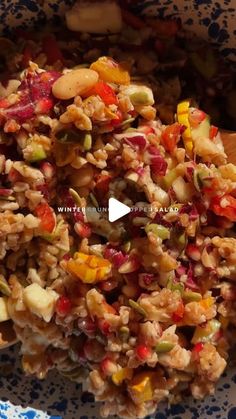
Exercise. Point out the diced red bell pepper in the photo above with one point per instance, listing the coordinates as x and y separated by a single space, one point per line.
117 121
196 116
131 20
47 217
142 352
105 92
196 350
178 315
225 206
171 136
52 50
213 132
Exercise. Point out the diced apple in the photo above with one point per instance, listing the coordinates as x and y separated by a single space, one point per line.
39 301
3 309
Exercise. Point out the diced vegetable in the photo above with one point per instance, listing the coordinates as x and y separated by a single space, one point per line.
183 119
110 71
178 315
171 136
158 230
141 387
203 129
164 346
47 217
97 304
39 301
225 206
196 116
106 93
207 332
207 302
143 352
89 268
121 375
38 153
169 178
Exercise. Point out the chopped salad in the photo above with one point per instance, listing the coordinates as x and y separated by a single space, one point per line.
141 310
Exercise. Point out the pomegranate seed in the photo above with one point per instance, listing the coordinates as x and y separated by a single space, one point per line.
107 366
67 256
131 265
146 278
87 326
142 352
108 285
193 252
43 106
63 306
104 326
47 169
14 176
83 230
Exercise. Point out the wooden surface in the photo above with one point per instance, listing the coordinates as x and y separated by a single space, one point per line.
229 141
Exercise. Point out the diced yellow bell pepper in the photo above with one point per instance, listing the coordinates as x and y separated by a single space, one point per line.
121 375
89 268
110 71
183 118
207 302
141 387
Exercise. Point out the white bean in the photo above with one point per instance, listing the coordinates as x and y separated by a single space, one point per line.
75 82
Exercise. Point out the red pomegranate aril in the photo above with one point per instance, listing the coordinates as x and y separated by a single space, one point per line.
63 306
193 252
82 229
14 176
143 352
108 285
47 169
146 278
87 326
43 106
104 326
107 366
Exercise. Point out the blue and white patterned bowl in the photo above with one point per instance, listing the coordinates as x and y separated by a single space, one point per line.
56 398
